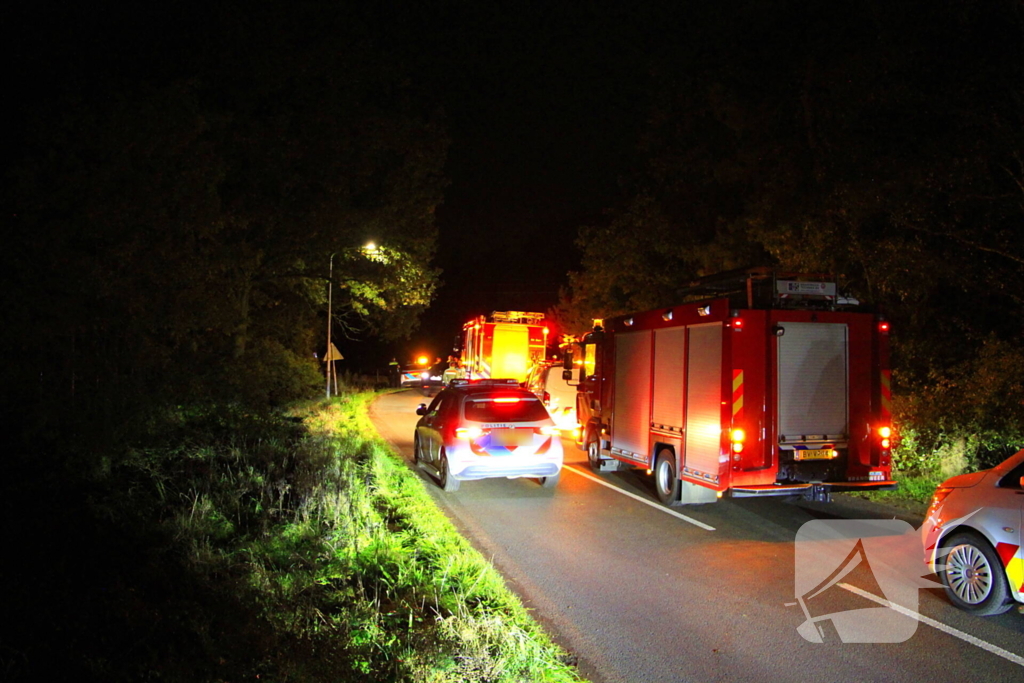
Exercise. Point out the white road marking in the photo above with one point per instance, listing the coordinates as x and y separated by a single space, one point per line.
643 500
966 637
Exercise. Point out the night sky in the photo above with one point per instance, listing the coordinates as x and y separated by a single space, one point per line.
543 110
542 105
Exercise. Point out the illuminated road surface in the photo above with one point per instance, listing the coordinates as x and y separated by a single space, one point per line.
707 594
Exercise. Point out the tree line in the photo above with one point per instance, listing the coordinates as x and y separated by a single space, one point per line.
172 225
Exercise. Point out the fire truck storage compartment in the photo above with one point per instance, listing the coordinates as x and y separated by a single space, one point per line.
812 382
669 350
631 428
704 399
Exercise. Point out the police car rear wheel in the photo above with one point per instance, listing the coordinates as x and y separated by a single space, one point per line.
550 481
447 481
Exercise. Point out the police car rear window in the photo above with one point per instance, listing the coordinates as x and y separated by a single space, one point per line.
505 409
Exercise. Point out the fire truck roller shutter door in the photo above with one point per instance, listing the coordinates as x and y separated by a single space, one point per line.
669 354
631 429
704 399
509 354
812 381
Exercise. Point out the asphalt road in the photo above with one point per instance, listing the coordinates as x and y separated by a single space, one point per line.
641 593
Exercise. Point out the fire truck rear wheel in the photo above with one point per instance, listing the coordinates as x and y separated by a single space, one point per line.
666 479
447 481
593 451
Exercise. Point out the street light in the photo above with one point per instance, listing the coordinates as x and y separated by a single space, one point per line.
368 249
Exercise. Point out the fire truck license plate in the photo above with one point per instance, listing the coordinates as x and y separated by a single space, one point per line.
823 454
512 437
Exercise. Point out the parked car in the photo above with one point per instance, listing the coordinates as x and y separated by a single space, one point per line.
480 429
559 396
415 376
972 537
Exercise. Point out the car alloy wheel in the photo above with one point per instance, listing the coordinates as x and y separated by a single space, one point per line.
973 576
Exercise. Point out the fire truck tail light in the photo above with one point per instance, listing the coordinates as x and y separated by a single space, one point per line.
885 443
737 436
737 324
885 432
883 326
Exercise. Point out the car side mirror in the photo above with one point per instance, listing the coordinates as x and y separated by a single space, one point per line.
421 409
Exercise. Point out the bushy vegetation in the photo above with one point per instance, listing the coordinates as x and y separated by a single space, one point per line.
232 546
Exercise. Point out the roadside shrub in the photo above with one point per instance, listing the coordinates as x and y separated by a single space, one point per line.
969 417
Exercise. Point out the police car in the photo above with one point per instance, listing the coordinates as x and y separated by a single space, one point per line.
480 429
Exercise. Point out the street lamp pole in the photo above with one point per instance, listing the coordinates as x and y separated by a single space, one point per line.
330 288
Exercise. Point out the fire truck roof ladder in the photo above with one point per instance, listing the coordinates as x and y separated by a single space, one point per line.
761 286
517 317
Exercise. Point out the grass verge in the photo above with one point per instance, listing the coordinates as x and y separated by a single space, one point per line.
232 546
421 569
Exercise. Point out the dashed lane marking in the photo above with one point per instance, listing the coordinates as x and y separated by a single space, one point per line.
966 637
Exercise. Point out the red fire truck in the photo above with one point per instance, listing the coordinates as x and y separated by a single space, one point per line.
763 384
503 346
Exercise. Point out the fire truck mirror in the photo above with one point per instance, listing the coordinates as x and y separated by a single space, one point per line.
567 375
567 363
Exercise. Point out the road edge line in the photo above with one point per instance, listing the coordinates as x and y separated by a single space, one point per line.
643 500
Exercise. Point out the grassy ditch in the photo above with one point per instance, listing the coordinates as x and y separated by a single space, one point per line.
419 574
914 492
238 547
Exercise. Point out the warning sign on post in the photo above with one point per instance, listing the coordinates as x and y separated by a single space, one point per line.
333 354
